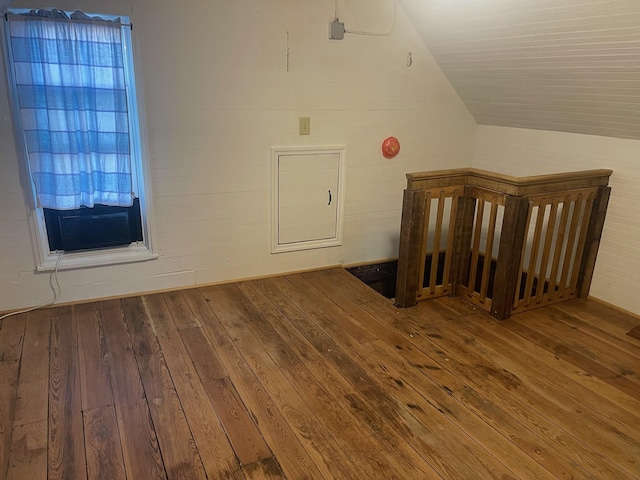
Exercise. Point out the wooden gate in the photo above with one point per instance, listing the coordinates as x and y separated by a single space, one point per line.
506 244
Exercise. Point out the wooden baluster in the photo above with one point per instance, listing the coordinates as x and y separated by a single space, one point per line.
425 241
592 241
557 252
411 241
584 226
546 250
533 257
516 298
571 245
450 241
514 224
475 250
435 256
488 250
464 214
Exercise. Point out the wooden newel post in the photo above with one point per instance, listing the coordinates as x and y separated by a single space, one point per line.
592 241
410 250
462 241
513 236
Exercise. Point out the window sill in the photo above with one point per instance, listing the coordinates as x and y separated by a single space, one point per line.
96 258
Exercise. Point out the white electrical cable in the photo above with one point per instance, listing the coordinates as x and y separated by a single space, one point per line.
56 292
373 34
335 9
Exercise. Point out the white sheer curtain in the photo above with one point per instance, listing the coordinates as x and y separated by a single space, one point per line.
70 79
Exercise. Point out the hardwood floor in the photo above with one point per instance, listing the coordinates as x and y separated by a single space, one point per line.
314 376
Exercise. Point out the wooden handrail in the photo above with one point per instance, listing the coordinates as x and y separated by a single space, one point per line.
507 184
548 228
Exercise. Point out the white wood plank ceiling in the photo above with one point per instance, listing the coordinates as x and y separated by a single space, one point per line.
565 65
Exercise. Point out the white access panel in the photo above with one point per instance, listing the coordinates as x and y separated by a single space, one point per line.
307 191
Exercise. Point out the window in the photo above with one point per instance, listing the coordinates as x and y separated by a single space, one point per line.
75 114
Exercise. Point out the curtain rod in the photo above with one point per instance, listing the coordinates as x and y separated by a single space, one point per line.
130 25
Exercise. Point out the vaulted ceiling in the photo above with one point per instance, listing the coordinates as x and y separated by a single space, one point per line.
565 65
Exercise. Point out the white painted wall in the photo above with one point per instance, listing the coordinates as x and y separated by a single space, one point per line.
218 95
523 152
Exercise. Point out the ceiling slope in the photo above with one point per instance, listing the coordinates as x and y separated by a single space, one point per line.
565 65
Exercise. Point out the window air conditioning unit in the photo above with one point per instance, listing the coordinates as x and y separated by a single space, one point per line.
89 228
94 231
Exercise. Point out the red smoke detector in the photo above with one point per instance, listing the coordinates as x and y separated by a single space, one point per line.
390 147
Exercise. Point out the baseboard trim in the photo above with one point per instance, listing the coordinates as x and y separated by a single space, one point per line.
174 289
611 305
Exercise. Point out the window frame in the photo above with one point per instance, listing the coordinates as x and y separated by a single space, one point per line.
45 259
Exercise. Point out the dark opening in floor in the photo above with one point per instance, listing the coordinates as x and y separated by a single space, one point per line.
380 276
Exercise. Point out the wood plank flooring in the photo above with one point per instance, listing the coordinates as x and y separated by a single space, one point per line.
316 376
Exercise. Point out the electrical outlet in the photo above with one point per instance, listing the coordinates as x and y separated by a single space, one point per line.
305 125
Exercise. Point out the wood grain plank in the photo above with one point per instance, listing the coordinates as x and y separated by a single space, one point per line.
381 360
608 375
267 469
419 369
244 435
326 370
595 423
397 414
634 333
291 456
324 310
140 449
66 454
308 374
11 340
179 453
582 384
604 331
95 384
8 388
612 354
217 455
601 316
502 456
510 408
605 312
11 337
393 454
181 314
28 459
491 410
31 404
331 457
102 444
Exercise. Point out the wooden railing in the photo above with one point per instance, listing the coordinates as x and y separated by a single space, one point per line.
506 244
